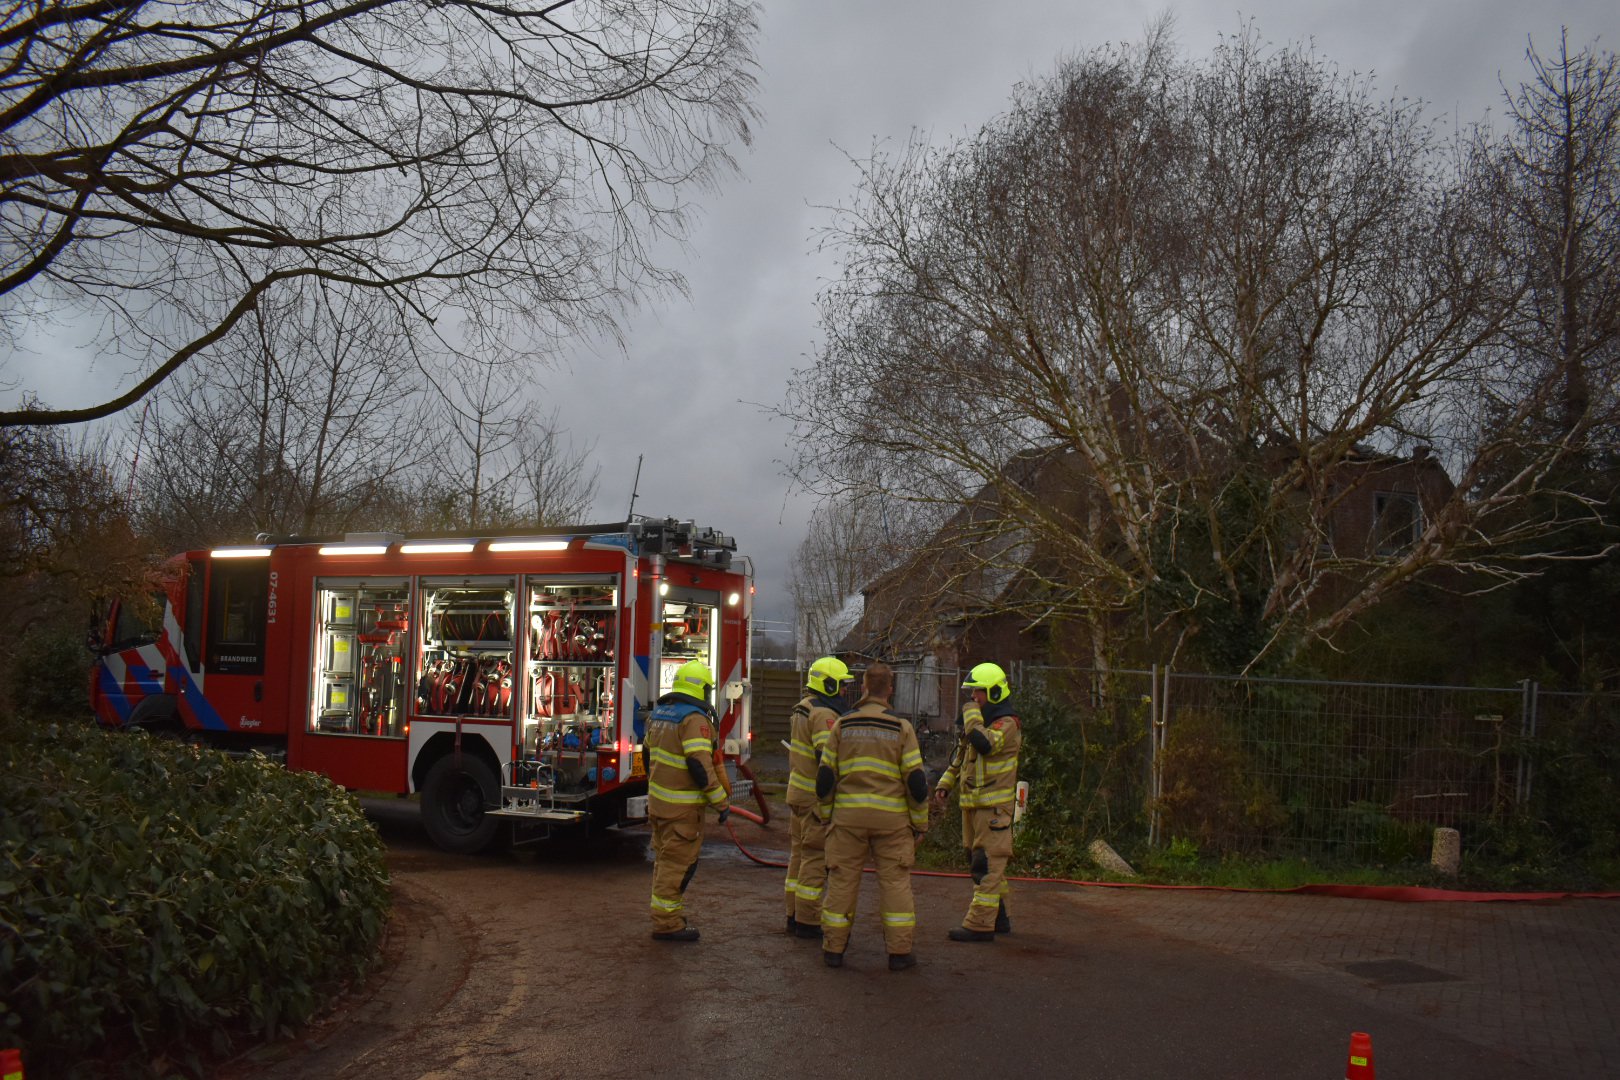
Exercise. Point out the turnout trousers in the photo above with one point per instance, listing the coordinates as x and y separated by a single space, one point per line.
676 842
893 852
990 847
807 865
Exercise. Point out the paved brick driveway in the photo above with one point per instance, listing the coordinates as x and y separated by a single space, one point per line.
538 964
1537 981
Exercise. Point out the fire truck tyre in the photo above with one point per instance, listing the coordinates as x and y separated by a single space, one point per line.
156 715
453 801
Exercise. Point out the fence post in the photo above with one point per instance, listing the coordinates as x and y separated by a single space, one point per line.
1533 693
1153 757
1524 743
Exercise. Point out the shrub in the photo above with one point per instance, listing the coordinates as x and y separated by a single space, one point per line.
48 672
155 896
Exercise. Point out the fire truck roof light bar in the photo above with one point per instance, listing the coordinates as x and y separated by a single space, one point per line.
528 545
241 553
438 548
354 549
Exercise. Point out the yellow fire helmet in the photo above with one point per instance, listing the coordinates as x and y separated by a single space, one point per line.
991 679
693 678
826 674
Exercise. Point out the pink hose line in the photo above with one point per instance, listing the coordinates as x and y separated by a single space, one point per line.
1401 893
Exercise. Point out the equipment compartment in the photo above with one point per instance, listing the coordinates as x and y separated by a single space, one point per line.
359 686
467 649
571 704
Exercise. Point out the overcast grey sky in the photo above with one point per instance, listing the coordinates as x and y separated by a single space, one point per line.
841 74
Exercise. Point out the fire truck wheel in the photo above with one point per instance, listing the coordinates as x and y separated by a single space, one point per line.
453 801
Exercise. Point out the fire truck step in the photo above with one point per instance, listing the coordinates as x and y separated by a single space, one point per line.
539 814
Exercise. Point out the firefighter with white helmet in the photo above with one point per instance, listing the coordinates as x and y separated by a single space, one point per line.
812 722
874 795
683 778
986 779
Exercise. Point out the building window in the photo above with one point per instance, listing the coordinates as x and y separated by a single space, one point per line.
1397 521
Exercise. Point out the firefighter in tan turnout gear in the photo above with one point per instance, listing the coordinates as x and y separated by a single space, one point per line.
683 777
812 723
985 775
874 797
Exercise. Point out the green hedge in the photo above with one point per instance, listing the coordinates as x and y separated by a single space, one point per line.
156 897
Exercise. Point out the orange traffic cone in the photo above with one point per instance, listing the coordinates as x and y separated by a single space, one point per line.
11 1065
1361 1062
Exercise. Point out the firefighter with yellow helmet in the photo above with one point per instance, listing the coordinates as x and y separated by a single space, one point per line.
683 778
985 776
874 795
812 723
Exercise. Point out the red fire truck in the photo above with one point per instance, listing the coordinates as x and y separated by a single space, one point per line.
502 677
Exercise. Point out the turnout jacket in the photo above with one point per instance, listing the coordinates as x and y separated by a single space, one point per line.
986 761
813 720
871 773
682 774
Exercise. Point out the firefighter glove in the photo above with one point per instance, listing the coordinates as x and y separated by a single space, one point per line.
917 784
826 780
725 812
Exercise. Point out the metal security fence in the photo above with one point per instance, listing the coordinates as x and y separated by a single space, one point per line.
1362 771
924 693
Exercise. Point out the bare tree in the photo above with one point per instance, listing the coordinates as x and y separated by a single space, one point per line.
1560 181
851 540
1150 329
480 418
555 482
497 462
165 169
309 420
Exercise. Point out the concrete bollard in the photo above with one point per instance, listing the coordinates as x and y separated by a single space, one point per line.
1447 854
1107 858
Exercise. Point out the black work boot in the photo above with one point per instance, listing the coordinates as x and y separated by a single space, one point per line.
901 960
962 933
832 959
792 925
806 930
685 933
1003 923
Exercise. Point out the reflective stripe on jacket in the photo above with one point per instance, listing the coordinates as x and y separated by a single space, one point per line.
987 779
812 724
871 752
679 729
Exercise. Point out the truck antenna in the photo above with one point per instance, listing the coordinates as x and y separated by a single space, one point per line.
630 513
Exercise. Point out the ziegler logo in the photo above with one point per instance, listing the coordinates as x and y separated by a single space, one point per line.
247 721
270 610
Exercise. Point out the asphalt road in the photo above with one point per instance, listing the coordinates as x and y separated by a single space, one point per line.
537 963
